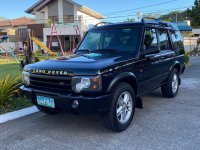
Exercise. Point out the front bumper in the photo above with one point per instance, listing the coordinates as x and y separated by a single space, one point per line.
64 102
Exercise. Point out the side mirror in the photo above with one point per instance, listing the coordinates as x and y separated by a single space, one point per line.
151 50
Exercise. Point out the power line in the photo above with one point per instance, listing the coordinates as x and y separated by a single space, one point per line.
126 15
121 16
114 16
171 1
148 12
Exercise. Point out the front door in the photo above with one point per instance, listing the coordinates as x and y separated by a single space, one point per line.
150 67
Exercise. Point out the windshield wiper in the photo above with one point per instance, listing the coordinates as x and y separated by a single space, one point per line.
105 51
83 51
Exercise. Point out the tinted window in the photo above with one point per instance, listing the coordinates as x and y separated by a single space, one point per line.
150 39
119 39
164 39
177 42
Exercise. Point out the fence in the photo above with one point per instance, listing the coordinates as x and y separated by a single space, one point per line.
190 43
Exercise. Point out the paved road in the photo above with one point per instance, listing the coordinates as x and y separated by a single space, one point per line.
162 124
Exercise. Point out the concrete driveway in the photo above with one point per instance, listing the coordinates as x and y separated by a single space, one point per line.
162 124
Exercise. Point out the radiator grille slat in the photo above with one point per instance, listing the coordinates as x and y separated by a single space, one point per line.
51 83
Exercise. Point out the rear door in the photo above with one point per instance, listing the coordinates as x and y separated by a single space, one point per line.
165 56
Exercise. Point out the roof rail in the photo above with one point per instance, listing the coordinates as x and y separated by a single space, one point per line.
150 18
102 24
158 21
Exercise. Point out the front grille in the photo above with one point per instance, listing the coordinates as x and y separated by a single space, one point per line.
51 83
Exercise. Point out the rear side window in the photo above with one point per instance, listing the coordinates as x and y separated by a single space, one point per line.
177 42
150 39
164 39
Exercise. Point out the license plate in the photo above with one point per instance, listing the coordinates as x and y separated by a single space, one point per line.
46 101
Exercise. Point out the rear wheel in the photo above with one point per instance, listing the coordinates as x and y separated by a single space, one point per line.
47 111
170 89
122 108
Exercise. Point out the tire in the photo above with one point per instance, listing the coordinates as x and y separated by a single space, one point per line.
47 111
126 109
170 89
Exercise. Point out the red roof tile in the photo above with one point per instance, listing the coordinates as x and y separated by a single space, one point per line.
23 21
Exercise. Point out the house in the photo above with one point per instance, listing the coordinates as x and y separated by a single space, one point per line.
10 27
196 32
184 28
16 31
67 15
190 42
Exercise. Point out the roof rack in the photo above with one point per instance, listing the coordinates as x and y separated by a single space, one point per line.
158 21
150 18
102 24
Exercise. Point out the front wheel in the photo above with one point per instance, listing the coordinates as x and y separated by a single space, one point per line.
170 89
122 108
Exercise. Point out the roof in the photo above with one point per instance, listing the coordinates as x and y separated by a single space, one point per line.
23 21
183 26
43 3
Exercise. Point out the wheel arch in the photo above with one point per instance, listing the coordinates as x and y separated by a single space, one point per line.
127 77
177 66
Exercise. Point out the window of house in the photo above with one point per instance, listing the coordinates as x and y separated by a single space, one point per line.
68 18
53 18
150 39
80 18
164 39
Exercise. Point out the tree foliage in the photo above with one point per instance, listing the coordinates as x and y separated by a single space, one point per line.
130 20
174 16
194 14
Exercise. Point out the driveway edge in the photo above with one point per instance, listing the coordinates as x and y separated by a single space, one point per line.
17 114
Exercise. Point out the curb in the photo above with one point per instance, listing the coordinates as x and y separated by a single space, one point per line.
17 114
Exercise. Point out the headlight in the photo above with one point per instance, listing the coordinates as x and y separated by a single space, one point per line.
91 84
26 78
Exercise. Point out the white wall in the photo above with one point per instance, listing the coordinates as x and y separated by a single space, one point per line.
60 8
53 8
190 43
68 8
196 31
62 30
88 21
40 17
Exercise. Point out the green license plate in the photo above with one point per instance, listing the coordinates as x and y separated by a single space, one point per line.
46 101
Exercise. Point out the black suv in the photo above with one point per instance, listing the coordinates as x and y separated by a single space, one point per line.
111 68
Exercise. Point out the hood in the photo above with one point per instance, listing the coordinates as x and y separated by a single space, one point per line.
88 64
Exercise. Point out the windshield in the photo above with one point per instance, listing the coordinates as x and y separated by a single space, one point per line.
120 40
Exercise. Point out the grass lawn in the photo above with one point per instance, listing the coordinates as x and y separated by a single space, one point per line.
15 104
12 69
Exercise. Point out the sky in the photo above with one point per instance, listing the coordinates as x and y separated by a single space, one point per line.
114 10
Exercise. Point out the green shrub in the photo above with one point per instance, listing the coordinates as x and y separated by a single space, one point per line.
9 88
37 53
187 57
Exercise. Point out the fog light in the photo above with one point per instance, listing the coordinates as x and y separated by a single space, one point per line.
75 104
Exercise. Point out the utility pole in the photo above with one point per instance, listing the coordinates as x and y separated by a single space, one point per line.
176 17
139 15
